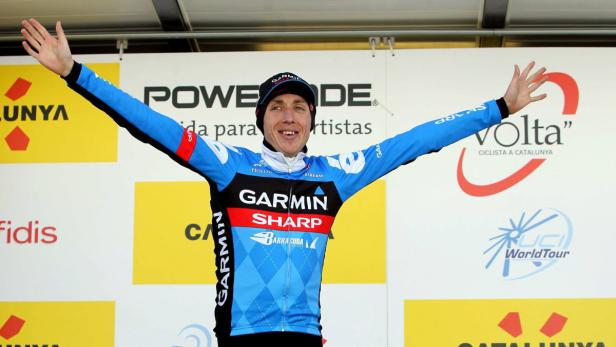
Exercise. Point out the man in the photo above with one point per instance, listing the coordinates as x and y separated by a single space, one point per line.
272 211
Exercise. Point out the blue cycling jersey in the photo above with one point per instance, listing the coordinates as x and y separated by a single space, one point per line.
271 214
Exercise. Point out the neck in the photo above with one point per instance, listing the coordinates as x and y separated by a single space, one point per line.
271 148
280 162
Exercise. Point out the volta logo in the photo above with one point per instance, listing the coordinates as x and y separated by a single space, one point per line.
194 335
506 135
531 244
11 327
42 120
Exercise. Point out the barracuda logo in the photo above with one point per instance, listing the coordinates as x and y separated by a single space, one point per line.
268 238
532 244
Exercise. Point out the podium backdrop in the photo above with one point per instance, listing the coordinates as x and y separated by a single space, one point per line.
501 239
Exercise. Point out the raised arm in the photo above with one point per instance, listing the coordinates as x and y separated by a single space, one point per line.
356 170
53 53
211 159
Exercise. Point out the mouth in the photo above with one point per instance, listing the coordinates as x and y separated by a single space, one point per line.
288 133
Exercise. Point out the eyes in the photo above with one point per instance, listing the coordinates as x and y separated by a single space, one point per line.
296 107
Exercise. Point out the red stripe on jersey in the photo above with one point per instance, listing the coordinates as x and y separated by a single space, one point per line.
187 145
247 217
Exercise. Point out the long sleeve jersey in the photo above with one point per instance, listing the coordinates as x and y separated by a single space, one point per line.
271 216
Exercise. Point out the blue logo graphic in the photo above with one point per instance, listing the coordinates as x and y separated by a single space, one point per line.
319 191
532 244
194 335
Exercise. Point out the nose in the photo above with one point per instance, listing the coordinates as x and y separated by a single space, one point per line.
287 115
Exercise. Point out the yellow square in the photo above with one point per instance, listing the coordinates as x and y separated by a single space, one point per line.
474 323
48 122
173 243
65 324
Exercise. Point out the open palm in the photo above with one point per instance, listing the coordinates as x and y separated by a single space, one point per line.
519 91
53 53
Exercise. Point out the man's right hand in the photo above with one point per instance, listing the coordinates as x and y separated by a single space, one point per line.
53 53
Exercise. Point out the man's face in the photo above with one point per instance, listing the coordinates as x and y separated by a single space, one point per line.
286 123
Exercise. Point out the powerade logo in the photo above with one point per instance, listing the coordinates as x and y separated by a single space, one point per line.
533 138
530 243
194 335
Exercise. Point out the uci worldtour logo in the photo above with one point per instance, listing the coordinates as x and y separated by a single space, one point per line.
533 138
530 244
194 335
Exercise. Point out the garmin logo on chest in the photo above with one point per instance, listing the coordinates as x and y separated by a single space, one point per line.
284 201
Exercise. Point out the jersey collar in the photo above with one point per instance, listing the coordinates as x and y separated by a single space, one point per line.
279 162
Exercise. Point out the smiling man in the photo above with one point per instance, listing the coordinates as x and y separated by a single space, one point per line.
273 210
289 103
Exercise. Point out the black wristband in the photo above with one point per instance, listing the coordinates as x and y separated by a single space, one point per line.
72 76
502 107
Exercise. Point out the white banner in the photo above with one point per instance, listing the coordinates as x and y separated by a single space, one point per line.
517 211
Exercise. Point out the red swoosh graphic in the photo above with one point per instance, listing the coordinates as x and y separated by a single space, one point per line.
571 99
569 88
496 187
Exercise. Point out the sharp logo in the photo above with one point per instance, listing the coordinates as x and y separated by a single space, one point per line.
531 244
268 238
511 138
555 323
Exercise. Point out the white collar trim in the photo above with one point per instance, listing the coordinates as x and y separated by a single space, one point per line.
279 162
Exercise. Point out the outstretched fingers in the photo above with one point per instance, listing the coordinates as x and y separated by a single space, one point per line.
35 44
40 28
537 82
60 32
29 49
538 97
535 76
527 69
31 30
